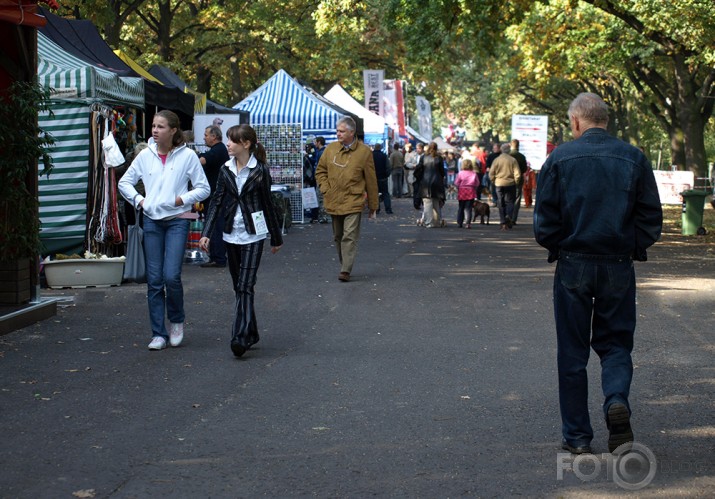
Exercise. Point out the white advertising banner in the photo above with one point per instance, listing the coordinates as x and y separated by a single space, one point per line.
223 121
671 184
394 110
424 117
372 79
531 132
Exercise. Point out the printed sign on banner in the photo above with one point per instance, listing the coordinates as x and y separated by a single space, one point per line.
531 132
424 117
372 79
223 121
671 184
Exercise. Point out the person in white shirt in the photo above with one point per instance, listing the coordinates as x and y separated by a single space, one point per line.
166 168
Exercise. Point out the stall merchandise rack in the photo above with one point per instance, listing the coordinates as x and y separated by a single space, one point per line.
284 149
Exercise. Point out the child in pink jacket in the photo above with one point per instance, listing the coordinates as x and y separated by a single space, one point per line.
467 183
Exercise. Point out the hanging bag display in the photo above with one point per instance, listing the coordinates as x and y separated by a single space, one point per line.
112 154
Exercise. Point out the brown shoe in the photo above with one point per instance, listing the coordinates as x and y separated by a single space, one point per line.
344 276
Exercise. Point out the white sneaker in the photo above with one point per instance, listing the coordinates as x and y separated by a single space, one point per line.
157 343
176 333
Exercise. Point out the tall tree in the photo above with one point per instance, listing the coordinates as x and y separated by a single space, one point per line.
680 77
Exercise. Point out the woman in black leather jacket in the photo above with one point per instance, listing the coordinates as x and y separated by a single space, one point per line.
243 198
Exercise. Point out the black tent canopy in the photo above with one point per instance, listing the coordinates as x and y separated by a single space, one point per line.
168 77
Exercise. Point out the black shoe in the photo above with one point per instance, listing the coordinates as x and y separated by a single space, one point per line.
389 212
237 348
213 265
619 426
579 449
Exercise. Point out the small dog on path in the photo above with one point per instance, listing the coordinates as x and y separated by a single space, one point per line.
480 210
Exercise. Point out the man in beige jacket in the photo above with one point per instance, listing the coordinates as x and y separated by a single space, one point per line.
505 175
345 172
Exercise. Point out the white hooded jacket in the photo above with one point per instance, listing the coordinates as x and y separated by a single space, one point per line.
164 182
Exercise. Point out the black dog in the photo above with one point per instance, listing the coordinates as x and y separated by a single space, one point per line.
480 210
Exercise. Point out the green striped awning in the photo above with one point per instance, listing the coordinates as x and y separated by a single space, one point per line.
63 195
72 78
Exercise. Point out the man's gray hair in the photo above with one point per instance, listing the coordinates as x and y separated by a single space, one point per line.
215 132
506 148
348 122
590 108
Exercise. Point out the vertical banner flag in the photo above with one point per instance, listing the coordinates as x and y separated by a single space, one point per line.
372 79
399 91
424 117
394 110
531 132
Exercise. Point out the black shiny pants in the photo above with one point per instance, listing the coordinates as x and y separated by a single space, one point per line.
243 262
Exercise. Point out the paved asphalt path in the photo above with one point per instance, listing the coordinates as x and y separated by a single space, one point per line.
431 374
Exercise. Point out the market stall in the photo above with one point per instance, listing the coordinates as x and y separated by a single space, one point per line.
84 99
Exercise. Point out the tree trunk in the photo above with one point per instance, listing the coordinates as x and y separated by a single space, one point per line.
236 85
163 33
203 80
690 117
677 148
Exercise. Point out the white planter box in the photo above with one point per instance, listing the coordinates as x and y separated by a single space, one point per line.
81 273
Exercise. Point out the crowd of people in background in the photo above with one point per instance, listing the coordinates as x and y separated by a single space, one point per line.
502 178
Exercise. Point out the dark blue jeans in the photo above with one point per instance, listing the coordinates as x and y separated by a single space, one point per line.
505 202
382 187
595 307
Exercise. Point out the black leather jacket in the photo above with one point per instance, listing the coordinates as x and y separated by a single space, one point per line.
255 196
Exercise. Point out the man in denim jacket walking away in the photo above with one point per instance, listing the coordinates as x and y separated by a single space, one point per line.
597 210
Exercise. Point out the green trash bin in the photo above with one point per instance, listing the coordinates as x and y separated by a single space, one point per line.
693 206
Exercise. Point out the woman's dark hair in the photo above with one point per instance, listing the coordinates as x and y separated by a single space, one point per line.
432 149
173 121
238 133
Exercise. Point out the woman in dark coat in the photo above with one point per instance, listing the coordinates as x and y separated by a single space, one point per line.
243 198
430 174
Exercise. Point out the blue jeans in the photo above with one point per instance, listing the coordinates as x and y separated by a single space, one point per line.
164 245
382 187
595 307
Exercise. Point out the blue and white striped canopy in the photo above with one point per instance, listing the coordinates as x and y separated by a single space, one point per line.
282 100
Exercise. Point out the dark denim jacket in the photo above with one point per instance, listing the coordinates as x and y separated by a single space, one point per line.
255 196
597 195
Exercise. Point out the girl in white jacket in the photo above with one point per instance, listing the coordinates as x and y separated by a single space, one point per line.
165 168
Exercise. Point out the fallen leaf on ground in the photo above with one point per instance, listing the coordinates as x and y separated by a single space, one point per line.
84 493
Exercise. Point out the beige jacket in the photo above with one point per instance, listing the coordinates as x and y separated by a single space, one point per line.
505 171
344 176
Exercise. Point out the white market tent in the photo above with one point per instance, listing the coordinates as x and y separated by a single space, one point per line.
76 87
374 125
443 145
416 135
282 100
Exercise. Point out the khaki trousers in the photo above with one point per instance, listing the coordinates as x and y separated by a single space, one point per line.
346 232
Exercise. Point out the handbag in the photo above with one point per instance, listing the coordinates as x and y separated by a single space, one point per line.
135 264
112 154
310 198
